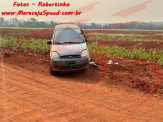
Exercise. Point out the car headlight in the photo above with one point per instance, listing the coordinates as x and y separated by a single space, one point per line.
55 55
85 53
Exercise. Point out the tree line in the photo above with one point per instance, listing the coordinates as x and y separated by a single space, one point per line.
34 23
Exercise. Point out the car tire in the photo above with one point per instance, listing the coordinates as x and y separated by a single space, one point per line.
51 71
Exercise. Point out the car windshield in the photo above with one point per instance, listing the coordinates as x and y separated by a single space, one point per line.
68 35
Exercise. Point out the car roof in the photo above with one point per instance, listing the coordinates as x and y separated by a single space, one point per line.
66 26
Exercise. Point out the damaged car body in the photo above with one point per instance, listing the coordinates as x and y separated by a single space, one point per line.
69 50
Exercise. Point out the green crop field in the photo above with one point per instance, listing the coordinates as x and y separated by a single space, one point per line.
142 44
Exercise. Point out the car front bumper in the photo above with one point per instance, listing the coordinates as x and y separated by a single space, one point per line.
60 65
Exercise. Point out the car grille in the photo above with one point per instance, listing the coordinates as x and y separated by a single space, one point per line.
73 67
70 56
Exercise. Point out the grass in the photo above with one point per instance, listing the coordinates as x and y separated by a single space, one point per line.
151 55
6 42
36 45
120 37
158 34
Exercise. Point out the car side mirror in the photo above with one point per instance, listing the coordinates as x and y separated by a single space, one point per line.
49 42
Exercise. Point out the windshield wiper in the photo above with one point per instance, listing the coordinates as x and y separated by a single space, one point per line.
58 43
68 42
73 42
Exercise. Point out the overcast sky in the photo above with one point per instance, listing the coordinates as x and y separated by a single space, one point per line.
103 12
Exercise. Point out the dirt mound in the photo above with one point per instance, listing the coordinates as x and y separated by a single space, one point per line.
35 63
138 74
131 73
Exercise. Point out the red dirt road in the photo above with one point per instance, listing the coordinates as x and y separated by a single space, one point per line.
28 96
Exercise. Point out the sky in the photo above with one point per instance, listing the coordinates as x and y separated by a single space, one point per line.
104 11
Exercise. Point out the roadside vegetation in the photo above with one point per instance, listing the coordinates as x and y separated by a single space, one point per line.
34 45
151 55
121 37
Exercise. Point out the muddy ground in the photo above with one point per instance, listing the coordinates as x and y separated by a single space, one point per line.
136 74
128 91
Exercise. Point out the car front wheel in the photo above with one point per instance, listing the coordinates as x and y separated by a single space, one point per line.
51 70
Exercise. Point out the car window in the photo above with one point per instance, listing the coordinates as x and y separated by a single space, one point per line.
68 35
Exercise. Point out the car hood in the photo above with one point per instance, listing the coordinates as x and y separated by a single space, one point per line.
69 49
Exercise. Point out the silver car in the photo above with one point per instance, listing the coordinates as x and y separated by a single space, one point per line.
69 50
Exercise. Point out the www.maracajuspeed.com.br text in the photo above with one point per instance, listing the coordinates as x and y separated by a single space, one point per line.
45 13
